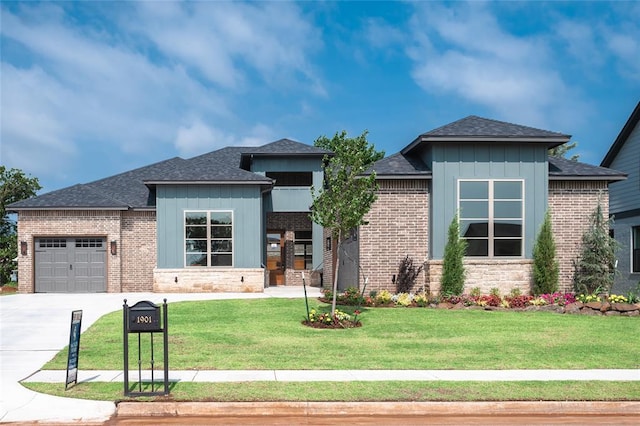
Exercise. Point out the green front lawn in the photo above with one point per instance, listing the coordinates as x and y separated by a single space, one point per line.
268 334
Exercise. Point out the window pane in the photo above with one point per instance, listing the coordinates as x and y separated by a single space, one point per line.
475 209
477 247
221 231
472 228
507 228
221 218
196 232
636 237
196 246
221 260
221 246
291 178
635 232
508 209
474 190
507 190
195 218
507 247
197 259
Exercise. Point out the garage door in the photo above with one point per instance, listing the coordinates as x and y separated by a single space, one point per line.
70 265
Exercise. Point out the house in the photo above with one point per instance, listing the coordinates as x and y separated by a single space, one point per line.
237 219
624 203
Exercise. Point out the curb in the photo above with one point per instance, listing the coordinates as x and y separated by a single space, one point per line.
492 408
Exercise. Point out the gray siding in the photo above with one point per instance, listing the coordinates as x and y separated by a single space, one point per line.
289 199
624 279
482 161
243 200
625 195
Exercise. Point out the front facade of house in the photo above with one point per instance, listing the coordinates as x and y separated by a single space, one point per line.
624 201
237 219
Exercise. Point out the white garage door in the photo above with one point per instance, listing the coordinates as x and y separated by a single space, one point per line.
70 265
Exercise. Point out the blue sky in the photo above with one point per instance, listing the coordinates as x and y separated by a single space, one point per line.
92 89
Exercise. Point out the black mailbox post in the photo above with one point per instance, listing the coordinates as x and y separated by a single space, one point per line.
145 318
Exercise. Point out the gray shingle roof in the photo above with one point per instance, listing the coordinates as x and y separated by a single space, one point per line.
478 129
564 169
134 189
399 165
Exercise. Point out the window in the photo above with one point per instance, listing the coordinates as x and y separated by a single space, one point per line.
291 178
208 238
303 250
635 249
491 217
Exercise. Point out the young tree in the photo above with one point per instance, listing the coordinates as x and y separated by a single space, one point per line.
453 273
545 265
595 267
347 194
14 186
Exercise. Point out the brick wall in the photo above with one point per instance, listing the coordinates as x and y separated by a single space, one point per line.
138 250
398 226
571 203
67 223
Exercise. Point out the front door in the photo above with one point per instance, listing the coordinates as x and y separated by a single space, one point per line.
275 257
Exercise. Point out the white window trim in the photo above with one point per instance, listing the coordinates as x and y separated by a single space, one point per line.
184 237
491 219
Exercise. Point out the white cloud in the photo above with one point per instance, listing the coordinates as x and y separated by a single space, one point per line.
131 81
464 51
198 137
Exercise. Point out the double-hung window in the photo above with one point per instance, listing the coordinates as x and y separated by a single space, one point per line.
491 214
303 250
635 249
208 238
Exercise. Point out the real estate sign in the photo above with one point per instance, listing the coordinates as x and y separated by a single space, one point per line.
74 349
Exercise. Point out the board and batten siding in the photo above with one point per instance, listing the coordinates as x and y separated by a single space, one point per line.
625 195
243 200
451 162
289 199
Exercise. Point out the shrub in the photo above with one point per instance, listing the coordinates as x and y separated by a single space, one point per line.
595 266
519 301
407 275
402 299
383 298
545 265
339 319
475 292
421 299
495 291
453 274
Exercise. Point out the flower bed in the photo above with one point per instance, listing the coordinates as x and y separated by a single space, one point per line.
557 302
339 319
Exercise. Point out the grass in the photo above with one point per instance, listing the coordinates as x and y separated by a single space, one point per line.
268 334
365 391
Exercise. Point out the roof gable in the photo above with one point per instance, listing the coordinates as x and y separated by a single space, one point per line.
615 148
478 129
286 147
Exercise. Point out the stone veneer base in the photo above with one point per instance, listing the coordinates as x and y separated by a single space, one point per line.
209 280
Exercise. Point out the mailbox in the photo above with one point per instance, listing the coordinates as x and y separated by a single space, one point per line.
144 316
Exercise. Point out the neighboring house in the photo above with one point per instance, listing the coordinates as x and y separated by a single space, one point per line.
237 219
624 202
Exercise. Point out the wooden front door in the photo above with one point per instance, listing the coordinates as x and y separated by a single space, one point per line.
275 257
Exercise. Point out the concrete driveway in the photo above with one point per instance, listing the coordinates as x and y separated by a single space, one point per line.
34 327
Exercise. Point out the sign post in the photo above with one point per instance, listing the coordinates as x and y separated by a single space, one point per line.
74 349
